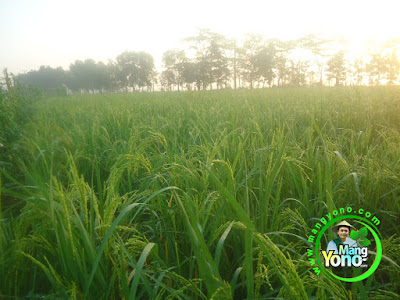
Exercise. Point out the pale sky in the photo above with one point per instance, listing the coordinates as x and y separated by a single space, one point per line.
56 33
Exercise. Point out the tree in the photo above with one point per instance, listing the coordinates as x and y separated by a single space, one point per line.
113 70
358 70
316 45
45 78
212 63
376 68
146 70
174 62
297 73
232 51
392 67
190 75
336 68
81 75
89 75
134 69
219 64
167 79
248 60
283 48
263 64
103 78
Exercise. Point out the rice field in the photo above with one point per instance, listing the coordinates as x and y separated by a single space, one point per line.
197 195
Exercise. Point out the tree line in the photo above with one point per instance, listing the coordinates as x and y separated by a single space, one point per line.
210 60
130 71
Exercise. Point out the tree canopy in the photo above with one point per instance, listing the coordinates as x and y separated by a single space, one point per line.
210 60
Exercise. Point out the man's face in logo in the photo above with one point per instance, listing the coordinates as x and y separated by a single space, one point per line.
343 232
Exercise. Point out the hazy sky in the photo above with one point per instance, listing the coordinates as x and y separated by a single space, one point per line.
56 33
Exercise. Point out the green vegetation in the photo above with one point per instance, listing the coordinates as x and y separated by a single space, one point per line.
210 61
16 107
196 195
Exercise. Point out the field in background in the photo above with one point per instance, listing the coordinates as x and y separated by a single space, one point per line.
197 195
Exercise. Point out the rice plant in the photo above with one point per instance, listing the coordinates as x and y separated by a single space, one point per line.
196 195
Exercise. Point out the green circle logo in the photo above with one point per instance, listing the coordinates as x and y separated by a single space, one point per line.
375 233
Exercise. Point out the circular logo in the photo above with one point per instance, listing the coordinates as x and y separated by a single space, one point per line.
375 233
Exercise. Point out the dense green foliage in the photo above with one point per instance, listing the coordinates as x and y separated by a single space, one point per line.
197 195
16 107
